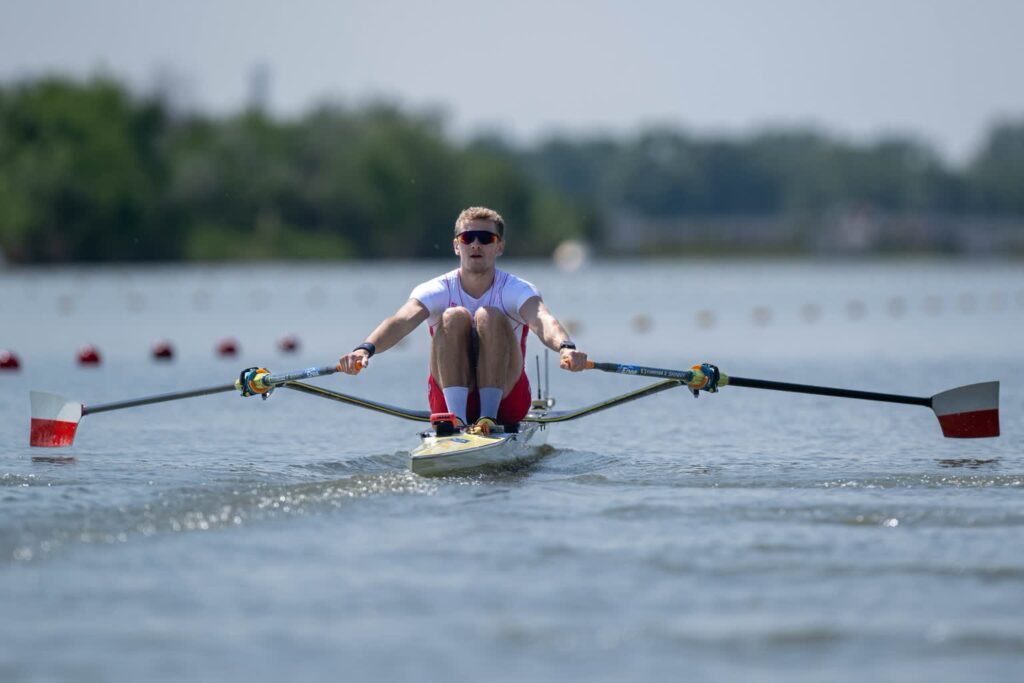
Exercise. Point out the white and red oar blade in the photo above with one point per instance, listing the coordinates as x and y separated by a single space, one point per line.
970 412
54 420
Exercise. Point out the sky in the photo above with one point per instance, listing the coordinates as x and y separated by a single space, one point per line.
943 71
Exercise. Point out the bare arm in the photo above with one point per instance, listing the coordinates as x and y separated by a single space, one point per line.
391 331
545 325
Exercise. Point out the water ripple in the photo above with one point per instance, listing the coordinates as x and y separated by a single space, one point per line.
200 509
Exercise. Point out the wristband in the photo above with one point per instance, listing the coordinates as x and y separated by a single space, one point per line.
368 347
567 345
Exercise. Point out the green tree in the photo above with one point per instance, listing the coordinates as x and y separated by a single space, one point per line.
997 173
80 174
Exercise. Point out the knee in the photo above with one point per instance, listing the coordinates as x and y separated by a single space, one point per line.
456 320
490 318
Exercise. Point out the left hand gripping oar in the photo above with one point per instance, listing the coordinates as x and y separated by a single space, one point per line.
967 412
55 418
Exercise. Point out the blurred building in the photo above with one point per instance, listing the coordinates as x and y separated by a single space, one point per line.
849 230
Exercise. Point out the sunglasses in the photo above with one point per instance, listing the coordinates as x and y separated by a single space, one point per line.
483 236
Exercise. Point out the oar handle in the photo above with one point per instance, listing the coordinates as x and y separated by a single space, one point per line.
642 371
276 379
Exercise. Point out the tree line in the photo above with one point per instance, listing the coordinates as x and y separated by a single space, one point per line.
91 172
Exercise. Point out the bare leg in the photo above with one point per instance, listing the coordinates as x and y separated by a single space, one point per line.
449 351
500 363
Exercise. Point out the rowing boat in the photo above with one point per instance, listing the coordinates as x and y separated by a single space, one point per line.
970 411
463 453
459 453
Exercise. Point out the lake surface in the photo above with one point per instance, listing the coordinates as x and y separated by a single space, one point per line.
748 535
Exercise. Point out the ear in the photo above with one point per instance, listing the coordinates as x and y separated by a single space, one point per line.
501 246
455 246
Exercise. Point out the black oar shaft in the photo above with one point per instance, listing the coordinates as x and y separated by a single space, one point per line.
160 398
828 391
267 381
686 376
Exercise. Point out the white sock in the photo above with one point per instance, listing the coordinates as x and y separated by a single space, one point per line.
455 398
490 399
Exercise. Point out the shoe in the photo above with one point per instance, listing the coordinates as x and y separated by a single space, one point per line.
446 424
484 426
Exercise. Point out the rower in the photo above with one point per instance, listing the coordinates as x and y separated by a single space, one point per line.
478 317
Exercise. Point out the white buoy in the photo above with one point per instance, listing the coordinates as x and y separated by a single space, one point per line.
571 255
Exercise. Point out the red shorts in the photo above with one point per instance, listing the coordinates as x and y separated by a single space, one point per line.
512 409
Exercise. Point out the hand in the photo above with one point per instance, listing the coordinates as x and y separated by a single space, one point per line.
351 363
572 360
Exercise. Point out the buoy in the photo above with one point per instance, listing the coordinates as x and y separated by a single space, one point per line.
856 309
65 304
8 361
966 303
897 307
933 304
811 313
163 350
227 347
705 319
88 355
571 255
288 343
642 323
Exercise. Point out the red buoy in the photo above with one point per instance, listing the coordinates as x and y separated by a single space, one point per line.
8 361
227 347
288 344
163 350
88 355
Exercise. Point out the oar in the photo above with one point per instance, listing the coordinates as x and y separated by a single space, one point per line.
566 415
55 418
395 411
966 412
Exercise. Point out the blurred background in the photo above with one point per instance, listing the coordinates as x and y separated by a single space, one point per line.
357 130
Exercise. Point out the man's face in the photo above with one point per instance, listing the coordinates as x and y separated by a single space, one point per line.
477 257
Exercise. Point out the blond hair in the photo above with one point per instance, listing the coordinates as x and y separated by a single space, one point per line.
481 213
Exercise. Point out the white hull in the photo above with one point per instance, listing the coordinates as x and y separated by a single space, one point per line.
470 453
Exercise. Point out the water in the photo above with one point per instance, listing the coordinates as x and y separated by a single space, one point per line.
747 535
